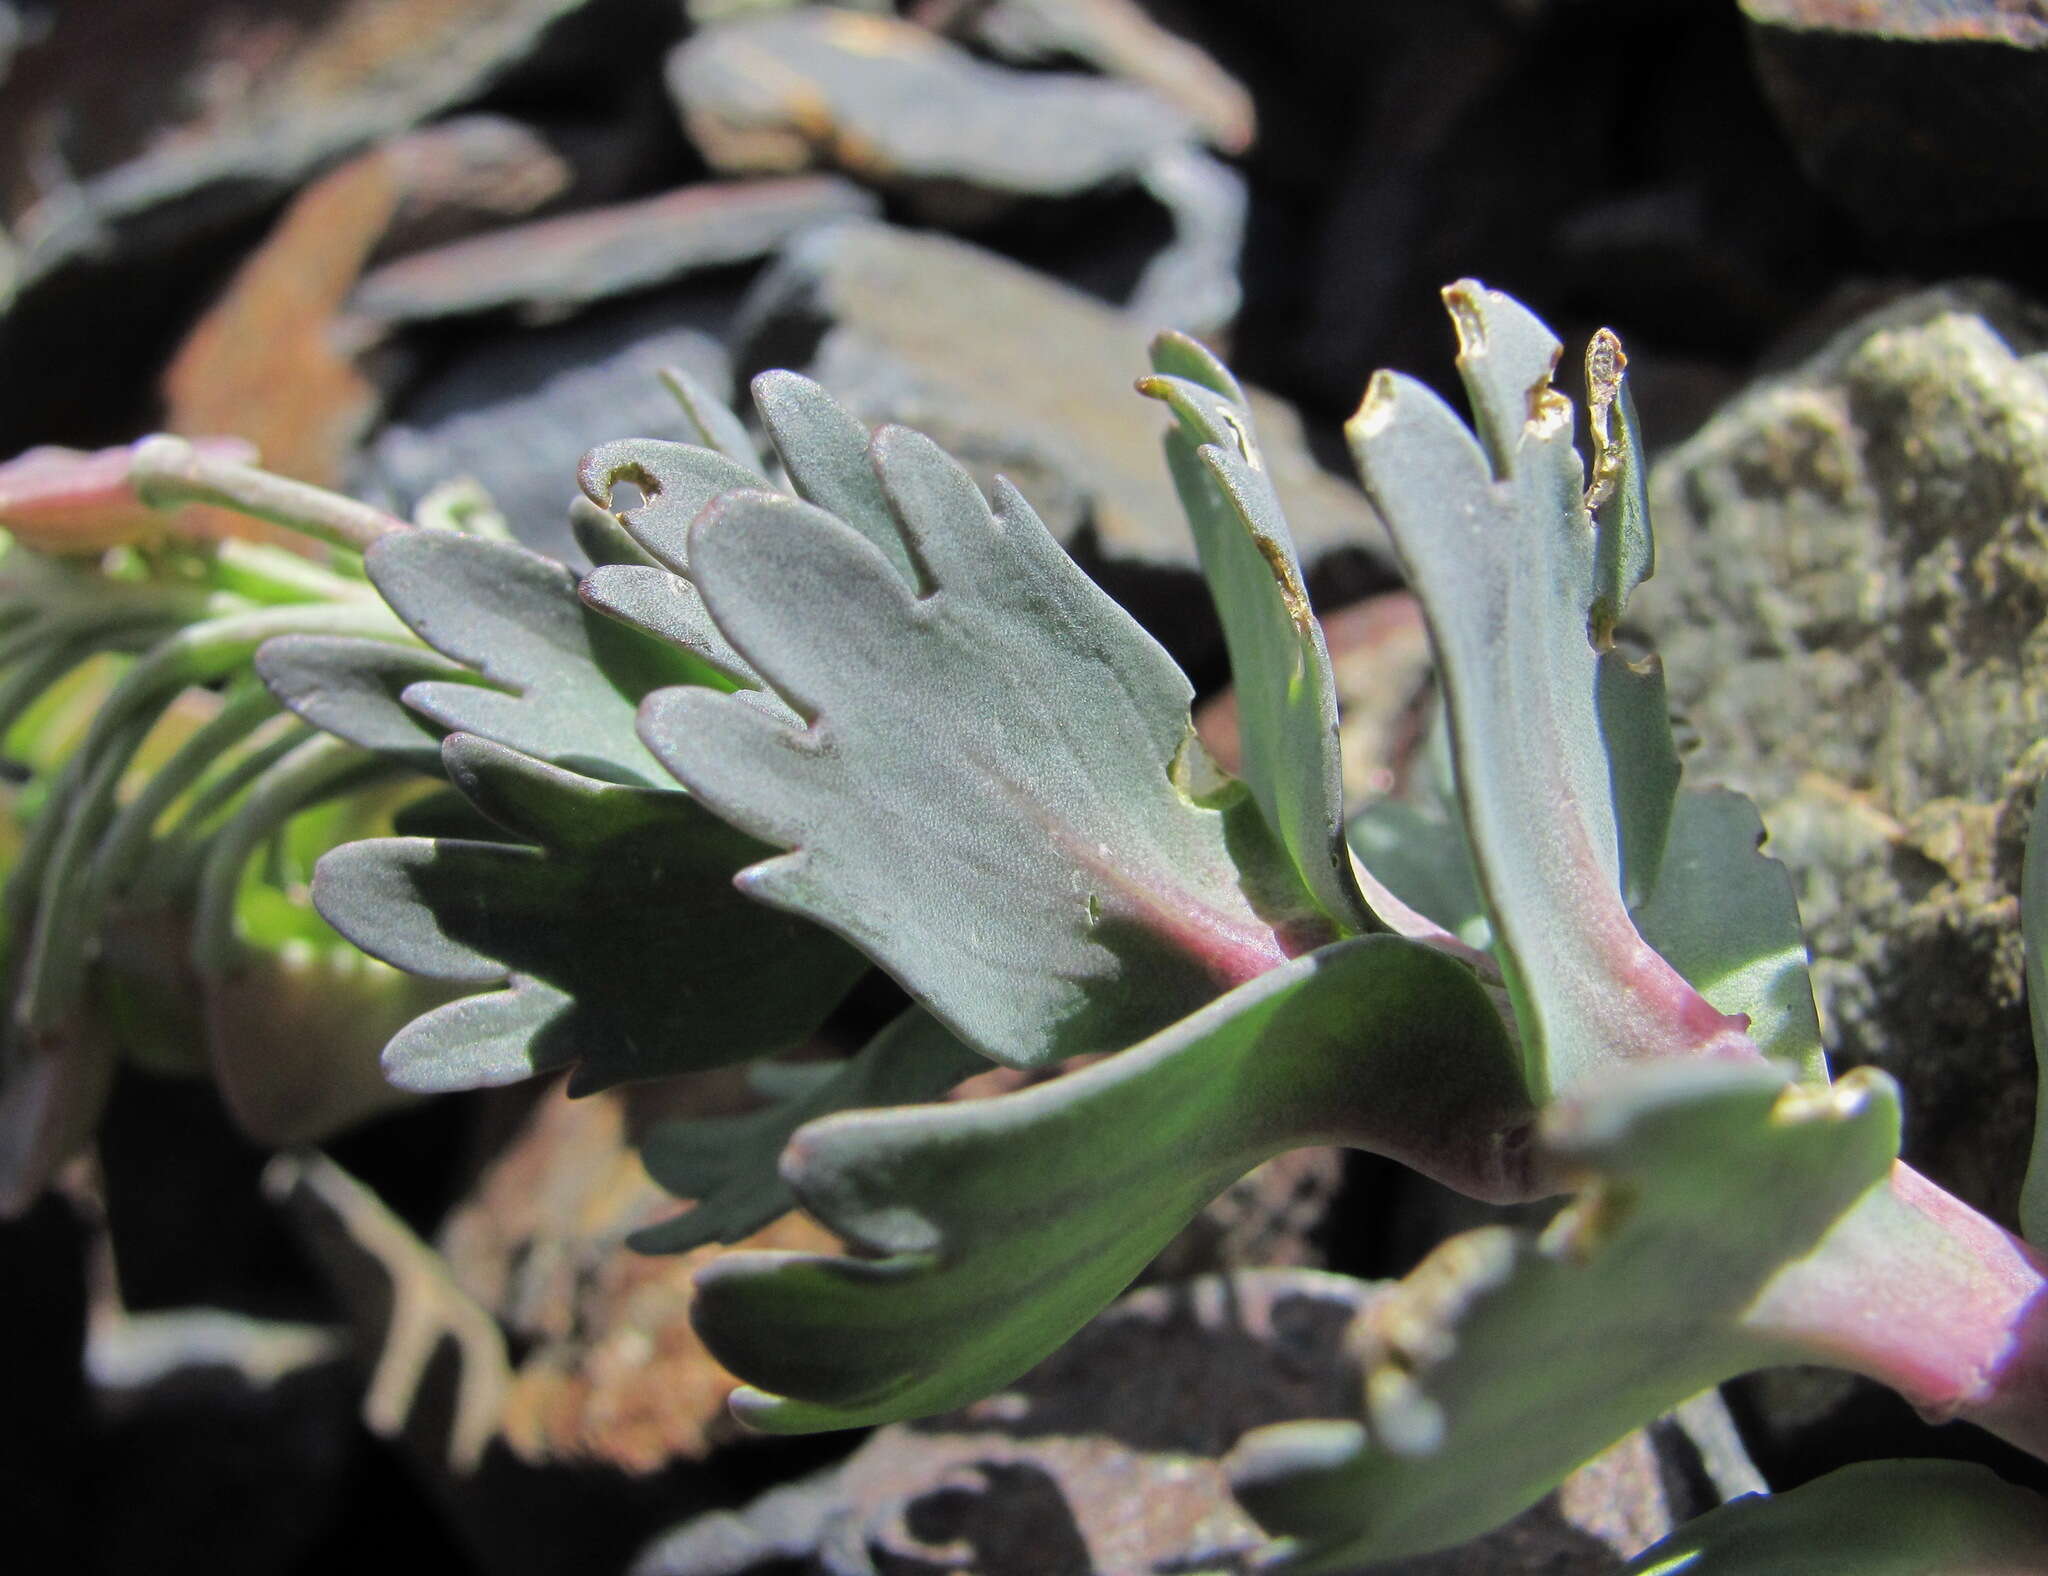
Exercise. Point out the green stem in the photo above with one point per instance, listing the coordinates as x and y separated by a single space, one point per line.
174 863
64 922
273 576
126 843
320 768
169 472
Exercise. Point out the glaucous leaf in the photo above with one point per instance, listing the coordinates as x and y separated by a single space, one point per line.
1725 915
1507 1358
717 427
563 679
1547 730
994 791
1279 662
351 688
616 924
729 1164
1876 1518
675 481
1000 1226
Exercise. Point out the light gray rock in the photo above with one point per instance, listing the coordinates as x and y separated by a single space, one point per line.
1105 1460
517 413
553 267
961 139
1852 601
1017 374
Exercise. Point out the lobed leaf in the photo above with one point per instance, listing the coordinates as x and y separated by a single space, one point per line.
728 1164
563 679
1725 915
353 688
1506 1359
717 427
1279 662
1003 1225
661 966
1015 820
1547 730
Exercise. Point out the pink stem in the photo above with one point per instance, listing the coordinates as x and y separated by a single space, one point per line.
1917 1290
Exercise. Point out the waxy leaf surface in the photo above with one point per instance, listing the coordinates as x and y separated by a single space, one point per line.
729 1164
993 791
1506 1359
352 688
563 679
616 924
1876 1518
1279 663
1005 1224
2034 926
1547 732
1725 915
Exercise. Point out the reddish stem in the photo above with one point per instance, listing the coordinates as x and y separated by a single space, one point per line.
1919 1291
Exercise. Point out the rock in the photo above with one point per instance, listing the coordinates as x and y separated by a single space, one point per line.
516 412
204 1419
614 1377
438 1370
277 359
890 104
130 192
1912 113
265 362
1116 37
471 173
1105 1459
962 139
237 106
552 267
1016 374
1852 601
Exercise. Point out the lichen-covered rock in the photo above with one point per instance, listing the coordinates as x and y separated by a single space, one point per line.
1852 601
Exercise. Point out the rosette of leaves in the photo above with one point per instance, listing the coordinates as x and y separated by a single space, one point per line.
162 810
584 898
904 724
979 771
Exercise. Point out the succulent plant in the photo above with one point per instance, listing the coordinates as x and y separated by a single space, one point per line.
163 810
845 709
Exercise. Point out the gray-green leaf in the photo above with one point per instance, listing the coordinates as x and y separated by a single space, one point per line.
1724 914
1876 1518
1279 663
1007 1223
617 923
1498 544
995 793
728 1164
1506 1359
